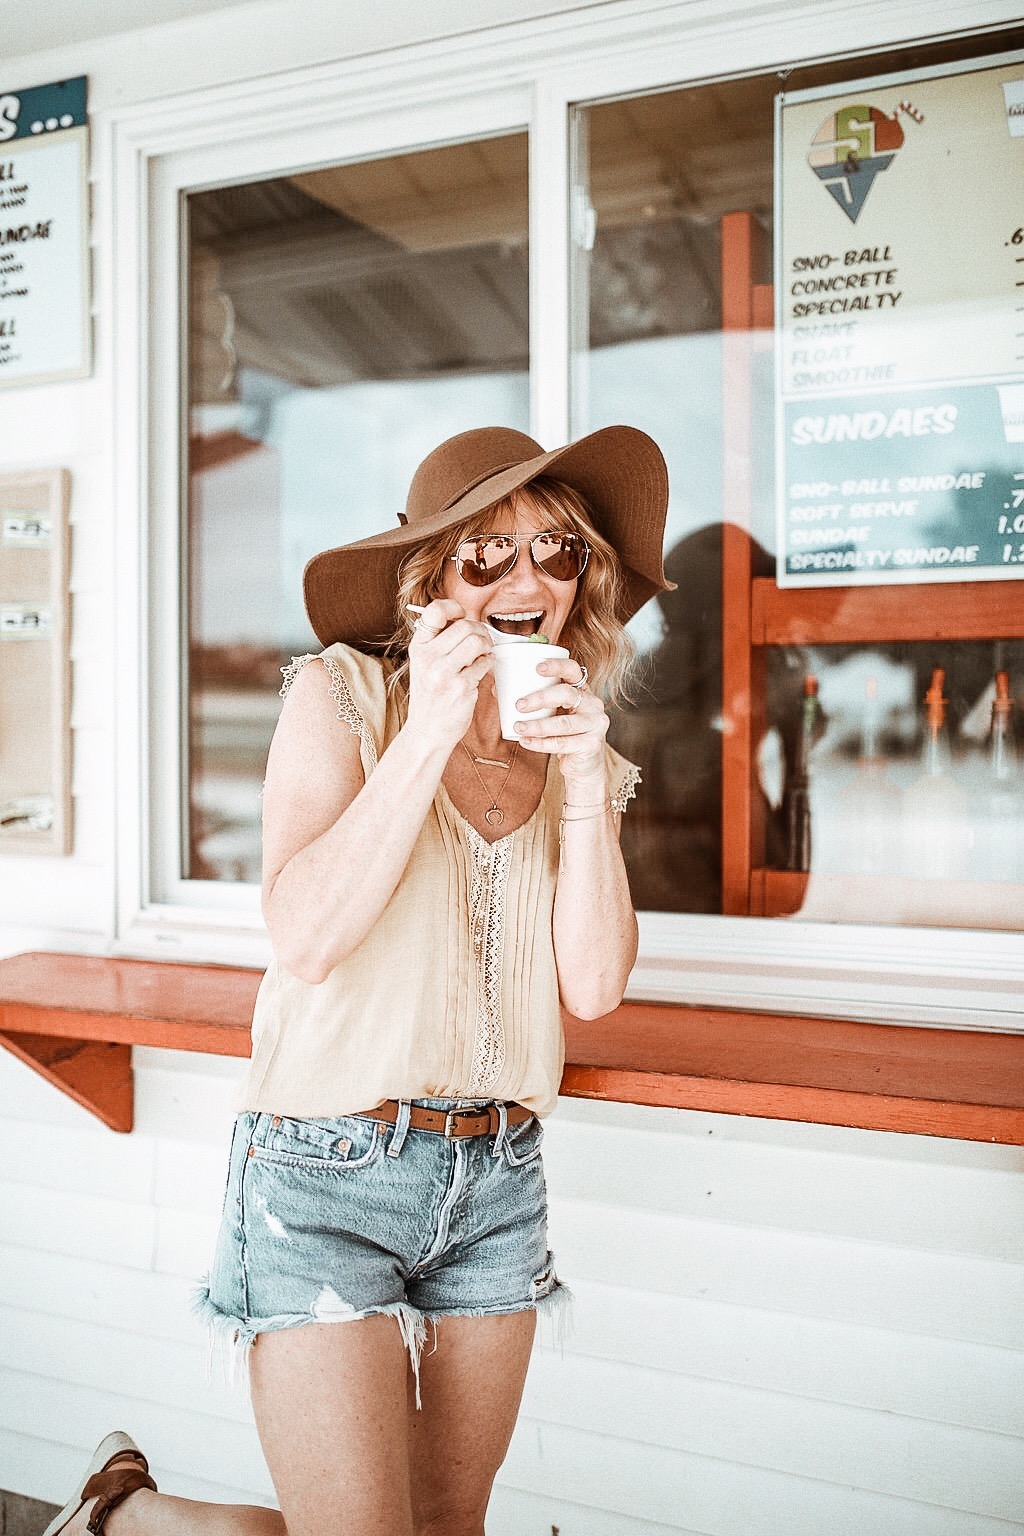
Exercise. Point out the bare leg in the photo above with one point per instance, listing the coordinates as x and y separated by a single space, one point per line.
330 1402
330 1405
335 1408
160 1514
472 1385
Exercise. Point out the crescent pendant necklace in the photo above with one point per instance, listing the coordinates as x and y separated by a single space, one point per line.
494 815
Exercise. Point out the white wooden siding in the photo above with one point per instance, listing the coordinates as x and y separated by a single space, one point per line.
777 1328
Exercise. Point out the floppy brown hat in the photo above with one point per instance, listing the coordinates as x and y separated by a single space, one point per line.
350 591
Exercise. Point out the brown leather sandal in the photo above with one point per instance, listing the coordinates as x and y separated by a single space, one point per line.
117 1469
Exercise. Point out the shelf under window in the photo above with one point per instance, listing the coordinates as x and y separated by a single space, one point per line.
74 1019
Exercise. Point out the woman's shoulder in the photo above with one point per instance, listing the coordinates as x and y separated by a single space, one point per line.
358 667
357 686
355 666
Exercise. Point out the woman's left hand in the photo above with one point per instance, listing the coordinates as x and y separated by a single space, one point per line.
576 733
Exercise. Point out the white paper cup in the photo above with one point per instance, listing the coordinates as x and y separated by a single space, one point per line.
516 675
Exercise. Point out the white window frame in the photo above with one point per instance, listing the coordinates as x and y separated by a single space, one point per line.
525 75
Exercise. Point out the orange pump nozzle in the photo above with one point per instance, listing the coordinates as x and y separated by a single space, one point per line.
1002 704
936 704
810 686
938 683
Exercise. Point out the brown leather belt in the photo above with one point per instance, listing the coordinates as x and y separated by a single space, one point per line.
456 1124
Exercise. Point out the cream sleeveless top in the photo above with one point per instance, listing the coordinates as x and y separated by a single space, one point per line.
453 992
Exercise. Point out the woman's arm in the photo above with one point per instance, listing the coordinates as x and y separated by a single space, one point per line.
335 846
594 925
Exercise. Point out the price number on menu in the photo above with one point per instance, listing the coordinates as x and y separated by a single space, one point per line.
1011 519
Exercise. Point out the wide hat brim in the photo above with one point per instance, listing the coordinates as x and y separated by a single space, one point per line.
351 591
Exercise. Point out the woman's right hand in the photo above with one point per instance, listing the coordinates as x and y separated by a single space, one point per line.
449 655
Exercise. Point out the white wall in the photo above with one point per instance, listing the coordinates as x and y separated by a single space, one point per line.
783 1329
240 41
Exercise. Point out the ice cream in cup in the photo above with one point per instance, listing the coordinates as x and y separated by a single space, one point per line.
516 658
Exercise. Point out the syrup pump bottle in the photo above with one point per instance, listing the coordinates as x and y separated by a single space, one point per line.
1000 833
871 804
938 831
798 794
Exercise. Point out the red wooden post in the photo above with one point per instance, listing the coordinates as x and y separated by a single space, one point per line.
742 666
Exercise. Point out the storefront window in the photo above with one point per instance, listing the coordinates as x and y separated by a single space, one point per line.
341 323
808 287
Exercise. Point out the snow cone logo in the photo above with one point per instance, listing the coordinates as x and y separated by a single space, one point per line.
852 146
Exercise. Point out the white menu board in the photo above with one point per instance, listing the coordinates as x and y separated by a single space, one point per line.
45 330
899 280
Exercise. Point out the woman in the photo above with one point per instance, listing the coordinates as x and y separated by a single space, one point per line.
434 895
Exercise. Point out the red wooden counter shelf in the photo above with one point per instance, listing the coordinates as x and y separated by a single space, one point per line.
75 1018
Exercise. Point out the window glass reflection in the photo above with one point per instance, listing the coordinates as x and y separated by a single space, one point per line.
341 323
898 766
785 771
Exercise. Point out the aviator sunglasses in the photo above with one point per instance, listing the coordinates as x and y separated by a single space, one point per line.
483 560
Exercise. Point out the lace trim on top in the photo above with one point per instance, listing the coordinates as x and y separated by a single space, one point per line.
292 670
626 790
348 710
491 864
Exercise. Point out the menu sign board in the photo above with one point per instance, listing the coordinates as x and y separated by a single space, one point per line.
44 239
899 282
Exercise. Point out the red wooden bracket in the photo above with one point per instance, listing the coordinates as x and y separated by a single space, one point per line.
95 1073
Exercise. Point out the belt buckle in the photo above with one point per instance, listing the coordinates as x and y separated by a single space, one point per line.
458 1114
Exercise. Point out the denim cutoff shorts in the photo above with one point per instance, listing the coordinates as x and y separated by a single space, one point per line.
331 1220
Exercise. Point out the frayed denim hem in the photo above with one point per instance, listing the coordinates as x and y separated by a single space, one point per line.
230 1339
555 1311
553 1308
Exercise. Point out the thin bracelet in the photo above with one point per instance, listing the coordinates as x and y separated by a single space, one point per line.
591 814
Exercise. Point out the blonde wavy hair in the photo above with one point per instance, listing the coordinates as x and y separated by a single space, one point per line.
593 633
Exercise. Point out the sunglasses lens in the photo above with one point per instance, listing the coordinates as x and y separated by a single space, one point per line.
483 561
561 556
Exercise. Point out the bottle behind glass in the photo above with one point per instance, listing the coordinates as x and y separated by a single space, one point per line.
999 851
798 791
938 837
871 805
